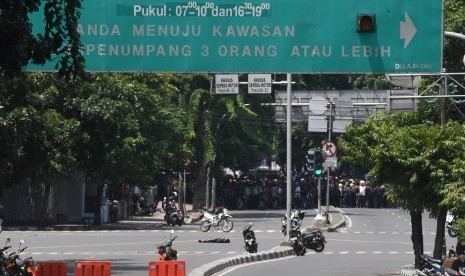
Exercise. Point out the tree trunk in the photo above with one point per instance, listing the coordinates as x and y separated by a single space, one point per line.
45 213
200 188
213 204
417 236
98 180
440 234
98 204
200 137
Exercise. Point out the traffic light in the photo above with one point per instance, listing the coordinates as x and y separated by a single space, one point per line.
319 159
366 23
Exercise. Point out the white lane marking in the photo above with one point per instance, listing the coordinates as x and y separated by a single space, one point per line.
212 252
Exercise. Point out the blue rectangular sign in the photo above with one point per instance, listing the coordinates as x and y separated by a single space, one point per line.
268 36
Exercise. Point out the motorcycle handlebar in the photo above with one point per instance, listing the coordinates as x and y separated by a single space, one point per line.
14 254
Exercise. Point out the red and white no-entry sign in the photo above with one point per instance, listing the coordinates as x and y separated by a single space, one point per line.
329 148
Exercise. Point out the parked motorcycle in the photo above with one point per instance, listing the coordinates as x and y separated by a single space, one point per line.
3 254
429 266
452 272
295 236
250 241
173 216
314 240
220 219
451 227
296 220
166 252
13 265
144 209
297 242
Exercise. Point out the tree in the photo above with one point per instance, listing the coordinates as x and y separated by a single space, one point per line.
453 48
413 158
36 139
226 131
59 39
454 191
125 131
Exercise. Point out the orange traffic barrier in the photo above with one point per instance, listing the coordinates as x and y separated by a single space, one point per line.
52 268
92 268
167 268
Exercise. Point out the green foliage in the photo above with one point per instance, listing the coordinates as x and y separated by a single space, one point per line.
59 39
413 158
369 82
36 139
228 130
128 130
109 124
454 21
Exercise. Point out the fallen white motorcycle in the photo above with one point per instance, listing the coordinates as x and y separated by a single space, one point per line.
220 219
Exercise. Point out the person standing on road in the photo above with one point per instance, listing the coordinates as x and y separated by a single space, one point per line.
161 194
274 192
155 196
297 196
362 195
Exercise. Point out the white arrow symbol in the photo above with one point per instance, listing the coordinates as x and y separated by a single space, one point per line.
407 30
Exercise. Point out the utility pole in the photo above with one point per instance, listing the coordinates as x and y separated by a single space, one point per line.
330 127
289 152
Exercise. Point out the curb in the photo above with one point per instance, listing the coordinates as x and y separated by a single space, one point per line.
219 265
153 226
332 228
151 223
339 224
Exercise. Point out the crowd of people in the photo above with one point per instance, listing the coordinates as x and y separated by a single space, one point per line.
269 192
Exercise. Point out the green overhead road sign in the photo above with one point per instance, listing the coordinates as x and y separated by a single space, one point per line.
269 36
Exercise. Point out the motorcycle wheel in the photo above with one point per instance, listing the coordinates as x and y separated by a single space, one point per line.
453 232
205 226
173 219
180 222
296 248
174 256
320 247
227 225
303 250
254 248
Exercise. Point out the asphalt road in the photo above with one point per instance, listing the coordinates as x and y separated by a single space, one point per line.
375 242
131 251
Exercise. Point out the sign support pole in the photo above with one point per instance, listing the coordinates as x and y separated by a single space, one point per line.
319 196
330 127
289 152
